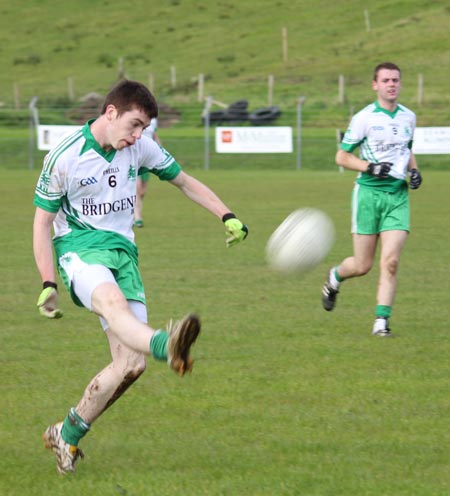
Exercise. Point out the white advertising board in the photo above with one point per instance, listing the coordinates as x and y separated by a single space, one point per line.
49 135
263 139
431 140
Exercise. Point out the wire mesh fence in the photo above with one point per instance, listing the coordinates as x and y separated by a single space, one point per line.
183 134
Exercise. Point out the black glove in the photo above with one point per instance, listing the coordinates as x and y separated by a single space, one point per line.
415 179
380 170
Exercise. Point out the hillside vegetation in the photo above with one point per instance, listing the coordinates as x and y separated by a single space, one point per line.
53 51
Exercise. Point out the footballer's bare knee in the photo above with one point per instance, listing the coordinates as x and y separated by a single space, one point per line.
107 298
390 265
365 269
135 366
362 267
127 362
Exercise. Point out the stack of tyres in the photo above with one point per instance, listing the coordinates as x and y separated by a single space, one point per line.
237 113
216 117
264 116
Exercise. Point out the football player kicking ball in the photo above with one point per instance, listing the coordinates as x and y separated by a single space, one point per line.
86 193
383 131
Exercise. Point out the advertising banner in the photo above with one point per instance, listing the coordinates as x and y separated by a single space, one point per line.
270 139
49 135
431 140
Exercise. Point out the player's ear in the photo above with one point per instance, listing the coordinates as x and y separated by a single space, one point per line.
111 112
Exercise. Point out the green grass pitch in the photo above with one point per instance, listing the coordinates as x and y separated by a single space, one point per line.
284 399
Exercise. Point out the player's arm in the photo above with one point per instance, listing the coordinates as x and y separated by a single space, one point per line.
415 177
200 193
412 164
350 161
42 244
43 255
205 197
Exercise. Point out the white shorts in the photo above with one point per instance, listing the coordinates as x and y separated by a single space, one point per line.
84 278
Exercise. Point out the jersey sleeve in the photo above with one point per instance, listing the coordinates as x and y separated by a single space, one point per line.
355 134
157 160
49 189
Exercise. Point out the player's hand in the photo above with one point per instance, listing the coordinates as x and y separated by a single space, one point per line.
48 303
235 229
380 170
415 179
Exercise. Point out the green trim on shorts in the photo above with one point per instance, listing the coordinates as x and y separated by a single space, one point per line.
124 268
374 210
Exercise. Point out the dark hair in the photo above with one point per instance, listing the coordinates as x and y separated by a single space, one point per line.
385 65
128 95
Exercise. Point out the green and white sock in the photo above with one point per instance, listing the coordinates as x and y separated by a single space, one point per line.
74 428
158 345
383 311
335 279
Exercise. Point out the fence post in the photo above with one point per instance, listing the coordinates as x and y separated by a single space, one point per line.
285 44
338 145
420 89
341 88
16 96
208 104
70 89
151 83
367 19
201 86
34 123
300 103
121 69
270 90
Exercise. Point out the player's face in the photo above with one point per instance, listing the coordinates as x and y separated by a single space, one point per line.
127 127
387 85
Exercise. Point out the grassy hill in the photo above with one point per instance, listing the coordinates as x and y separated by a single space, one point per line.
58 52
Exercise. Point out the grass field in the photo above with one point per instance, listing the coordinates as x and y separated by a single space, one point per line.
285 399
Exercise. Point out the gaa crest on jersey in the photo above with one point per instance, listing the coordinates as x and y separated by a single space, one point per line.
88 181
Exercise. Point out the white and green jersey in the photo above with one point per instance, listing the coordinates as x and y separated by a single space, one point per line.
93 192
382 136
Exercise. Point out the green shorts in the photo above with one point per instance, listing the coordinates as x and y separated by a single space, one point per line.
123 268
374 211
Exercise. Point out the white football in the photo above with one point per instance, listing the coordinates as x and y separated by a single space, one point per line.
300 242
